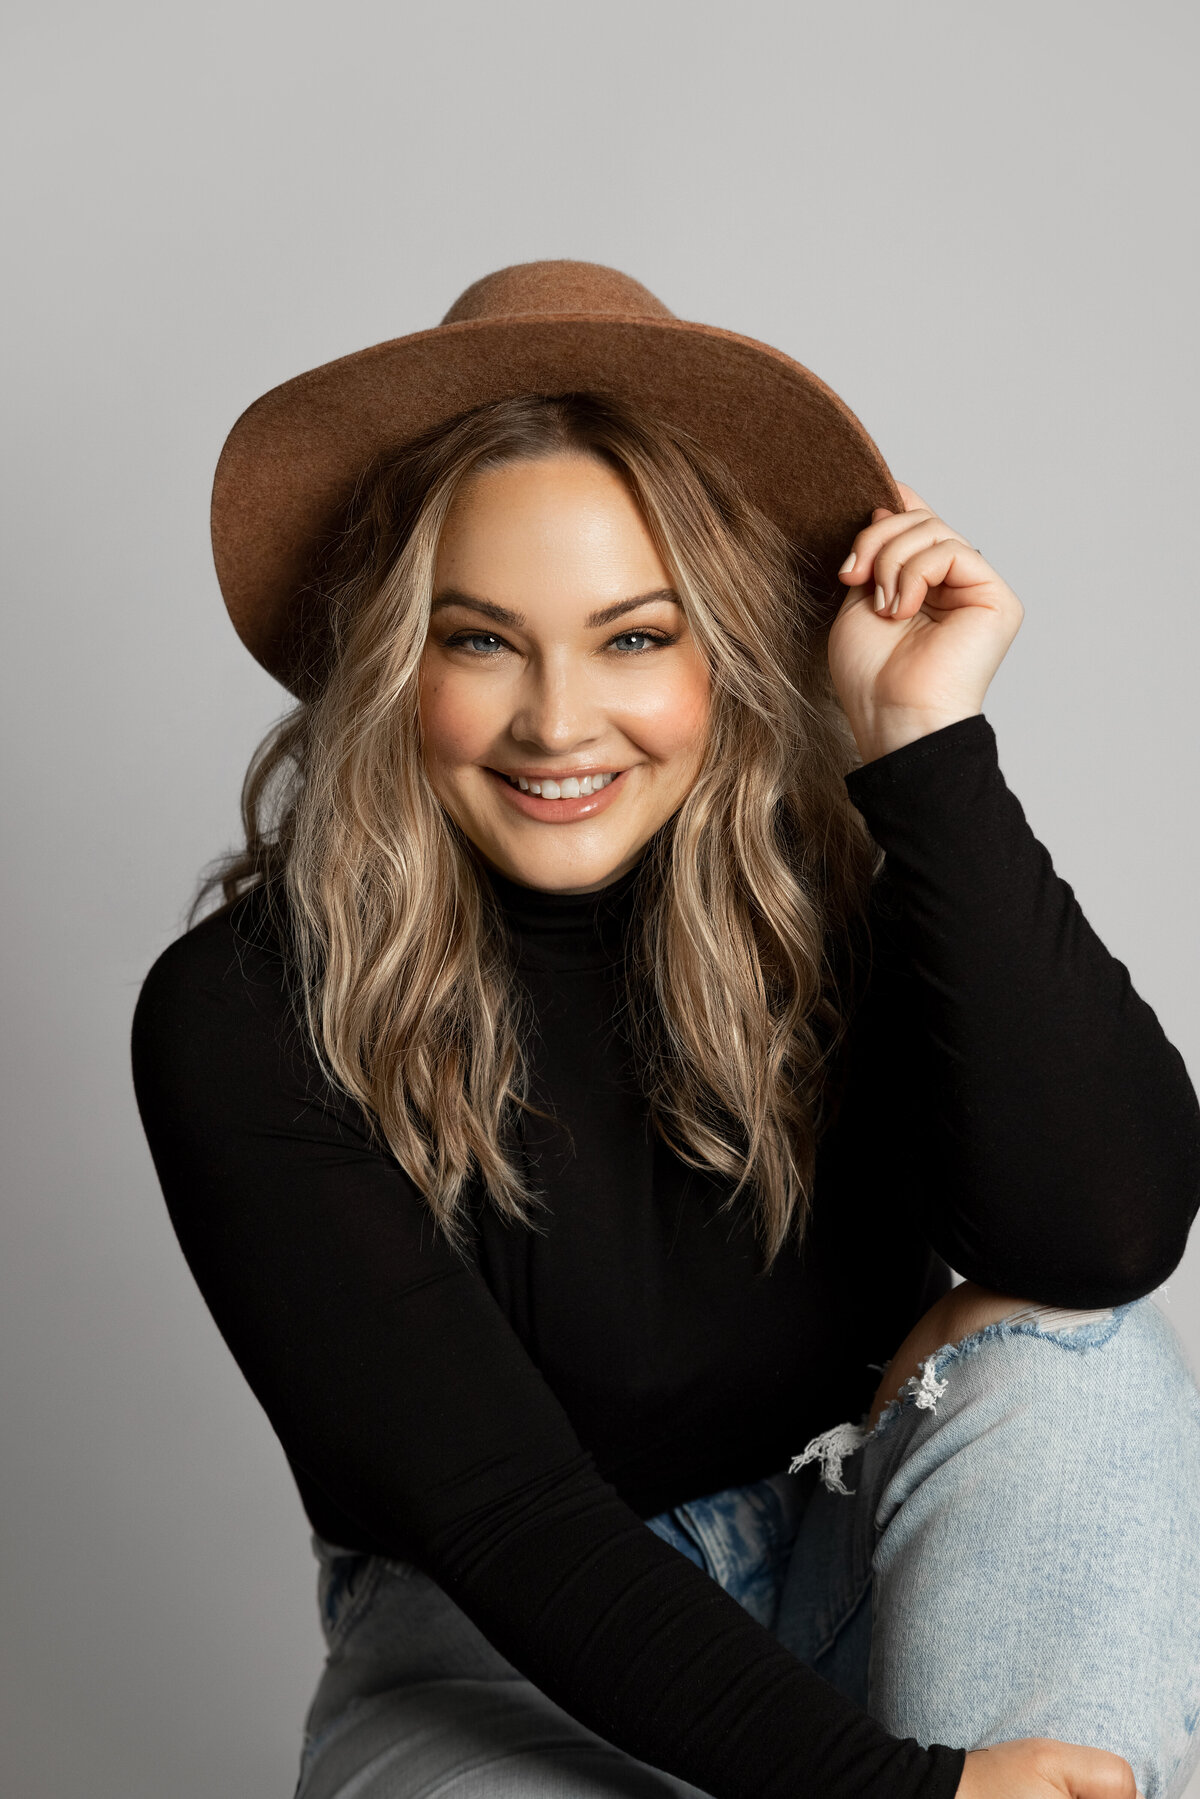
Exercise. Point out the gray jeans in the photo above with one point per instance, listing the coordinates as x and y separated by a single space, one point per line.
1013 1551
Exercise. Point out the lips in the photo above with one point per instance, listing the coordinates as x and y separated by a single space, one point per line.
568 807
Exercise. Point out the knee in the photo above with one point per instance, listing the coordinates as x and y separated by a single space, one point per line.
957 1315
1149 1366
1117 1376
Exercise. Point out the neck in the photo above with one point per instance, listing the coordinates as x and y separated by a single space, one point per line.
565 931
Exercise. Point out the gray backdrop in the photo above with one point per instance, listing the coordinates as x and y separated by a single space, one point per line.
976 222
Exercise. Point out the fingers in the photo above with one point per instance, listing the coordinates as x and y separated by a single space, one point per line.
948 559
912 500
870 540
884 529
888 553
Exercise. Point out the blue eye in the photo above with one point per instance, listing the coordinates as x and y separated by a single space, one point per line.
626 643
649 639
471 640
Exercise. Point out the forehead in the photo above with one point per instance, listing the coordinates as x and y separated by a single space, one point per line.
558 529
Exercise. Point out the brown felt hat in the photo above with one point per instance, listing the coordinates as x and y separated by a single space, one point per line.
291 461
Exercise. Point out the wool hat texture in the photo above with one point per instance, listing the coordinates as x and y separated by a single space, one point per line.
291 462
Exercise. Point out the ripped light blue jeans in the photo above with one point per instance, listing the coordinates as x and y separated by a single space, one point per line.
1012 1551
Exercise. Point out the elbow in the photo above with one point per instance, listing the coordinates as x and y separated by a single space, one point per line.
1136 1270
1100 1218
1118 1277
1093 1268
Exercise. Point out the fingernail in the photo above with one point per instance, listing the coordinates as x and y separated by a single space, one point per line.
880 598
851 559
894 608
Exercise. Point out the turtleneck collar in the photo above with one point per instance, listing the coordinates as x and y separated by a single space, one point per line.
560 932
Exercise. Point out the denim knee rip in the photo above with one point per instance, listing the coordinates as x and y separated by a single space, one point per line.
1070 1330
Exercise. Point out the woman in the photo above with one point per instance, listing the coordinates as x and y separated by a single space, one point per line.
571 1114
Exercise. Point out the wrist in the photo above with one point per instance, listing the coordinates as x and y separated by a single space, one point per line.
889 729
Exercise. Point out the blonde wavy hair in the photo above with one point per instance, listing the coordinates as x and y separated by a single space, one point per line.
739 993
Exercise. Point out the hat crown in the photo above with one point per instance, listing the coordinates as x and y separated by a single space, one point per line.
555 286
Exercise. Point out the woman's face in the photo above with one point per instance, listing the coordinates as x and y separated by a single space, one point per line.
559 658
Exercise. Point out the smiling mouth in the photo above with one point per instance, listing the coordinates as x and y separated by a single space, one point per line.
570 787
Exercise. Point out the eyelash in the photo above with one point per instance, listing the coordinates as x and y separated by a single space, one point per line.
655 640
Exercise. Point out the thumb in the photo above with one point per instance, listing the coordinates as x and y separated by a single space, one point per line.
1094 1773
1040 1765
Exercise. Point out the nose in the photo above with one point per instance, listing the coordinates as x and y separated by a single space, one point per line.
555 711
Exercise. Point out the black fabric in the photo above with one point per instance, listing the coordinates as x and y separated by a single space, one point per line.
1011 1108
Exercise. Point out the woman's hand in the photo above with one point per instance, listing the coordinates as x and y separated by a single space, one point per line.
1036 1768
926 657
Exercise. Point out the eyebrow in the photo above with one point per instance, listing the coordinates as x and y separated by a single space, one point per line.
502 616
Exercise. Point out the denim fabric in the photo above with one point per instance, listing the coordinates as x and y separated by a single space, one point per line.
1013 1551
743 1538
414 1702
1050 1499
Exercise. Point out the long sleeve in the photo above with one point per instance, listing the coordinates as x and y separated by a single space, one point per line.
1017 1088
395 1382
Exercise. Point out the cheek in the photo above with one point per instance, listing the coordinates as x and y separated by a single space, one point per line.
454 719
672 720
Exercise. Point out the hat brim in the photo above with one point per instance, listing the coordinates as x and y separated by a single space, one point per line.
290 463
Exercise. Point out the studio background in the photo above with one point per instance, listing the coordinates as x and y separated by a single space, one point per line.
977 223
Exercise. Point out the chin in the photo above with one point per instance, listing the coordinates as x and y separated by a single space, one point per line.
560 880
563 872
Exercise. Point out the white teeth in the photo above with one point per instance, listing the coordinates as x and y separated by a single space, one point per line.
569 788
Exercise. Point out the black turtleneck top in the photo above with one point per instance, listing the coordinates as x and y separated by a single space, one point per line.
507 1420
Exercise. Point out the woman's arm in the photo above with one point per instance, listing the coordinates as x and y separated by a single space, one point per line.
1049 1131
396 1384
1046 1129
